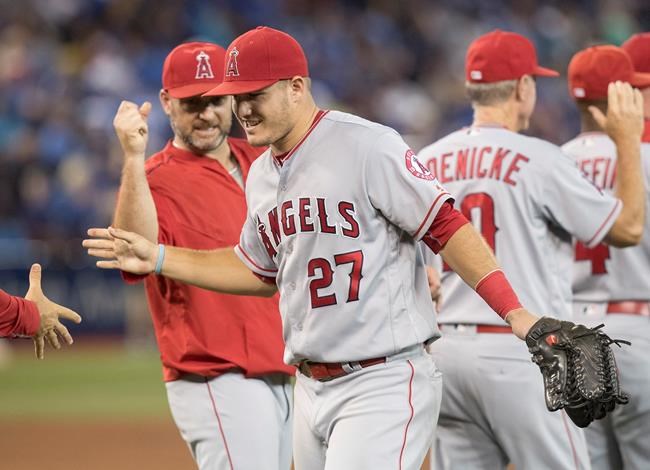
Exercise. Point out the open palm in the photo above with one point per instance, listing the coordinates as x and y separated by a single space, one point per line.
51 329
119 249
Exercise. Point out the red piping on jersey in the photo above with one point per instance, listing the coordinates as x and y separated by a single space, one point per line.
250 260
618 203
573 449
216 413
406 429
281 159
427 216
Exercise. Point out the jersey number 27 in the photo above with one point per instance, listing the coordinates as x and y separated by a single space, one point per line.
324 266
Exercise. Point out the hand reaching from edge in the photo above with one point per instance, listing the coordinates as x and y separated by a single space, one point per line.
51 328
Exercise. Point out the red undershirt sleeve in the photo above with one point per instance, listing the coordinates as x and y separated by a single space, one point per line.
447 222
265 279
18 316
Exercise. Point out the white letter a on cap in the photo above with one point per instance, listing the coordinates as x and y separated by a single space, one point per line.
231 69
203 67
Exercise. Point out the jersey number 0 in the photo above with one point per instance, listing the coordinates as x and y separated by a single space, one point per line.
485 205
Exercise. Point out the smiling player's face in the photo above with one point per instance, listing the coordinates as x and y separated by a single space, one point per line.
265 115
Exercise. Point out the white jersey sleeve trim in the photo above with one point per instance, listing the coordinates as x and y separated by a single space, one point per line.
431 215
606 225
248 261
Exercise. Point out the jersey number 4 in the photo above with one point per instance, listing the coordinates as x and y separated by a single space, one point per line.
484 203
596 255
325 277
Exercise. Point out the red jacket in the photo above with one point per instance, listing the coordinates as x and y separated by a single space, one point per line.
201 206
18 316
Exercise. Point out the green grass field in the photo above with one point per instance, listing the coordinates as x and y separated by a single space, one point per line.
82 381
93 405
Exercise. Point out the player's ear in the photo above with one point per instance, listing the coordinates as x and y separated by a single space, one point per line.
298 86
523 88
165 101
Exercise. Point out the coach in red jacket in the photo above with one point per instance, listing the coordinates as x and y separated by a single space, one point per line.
227 386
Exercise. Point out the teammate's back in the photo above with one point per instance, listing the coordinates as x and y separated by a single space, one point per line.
603 273
515 189
610 285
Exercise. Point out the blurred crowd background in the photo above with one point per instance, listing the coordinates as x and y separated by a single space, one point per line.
66 64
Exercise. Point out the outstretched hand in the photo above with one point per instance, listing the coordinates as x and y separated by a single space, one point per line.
119 249
51 328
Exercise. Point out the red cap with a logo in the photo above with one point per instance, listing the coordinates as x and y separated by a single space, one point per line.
502 55
193 68
638 47
593 69
259 58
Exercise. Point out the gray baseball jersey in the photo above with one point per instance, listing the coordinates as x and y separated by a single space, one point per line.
527 199
603 273
336 222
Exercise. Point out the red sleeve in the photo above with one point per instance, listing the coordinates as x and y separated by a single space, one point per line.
18 316
130 278
447 222
266 279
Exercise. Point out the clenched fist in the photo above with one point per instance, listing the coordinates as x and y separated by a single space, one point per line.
130 124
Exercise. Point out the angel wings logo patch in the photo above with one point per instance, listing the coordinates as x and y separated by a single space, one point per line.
416 168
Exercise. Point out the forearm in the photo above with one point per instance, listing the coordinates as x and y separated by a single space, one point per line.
627 230
135 210
472 259
218 270
469 256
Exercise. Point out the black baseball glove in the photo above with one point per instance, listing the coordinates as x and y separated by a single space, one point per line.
578 367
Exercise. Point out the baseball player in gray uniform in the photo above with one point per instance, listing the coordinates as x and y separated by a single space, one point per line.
611 285
528 199
336 207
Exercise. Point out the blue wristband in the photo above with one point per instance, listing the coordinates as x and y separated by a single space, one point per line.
161 258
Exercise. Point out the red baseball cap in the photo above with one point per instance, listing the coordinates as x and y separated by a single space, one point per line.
259 58
502 55
193 68
593 69
638 47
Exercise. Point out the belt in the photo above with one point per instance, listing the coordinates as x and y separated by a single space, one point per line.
324 371
630 307
493 329
480 328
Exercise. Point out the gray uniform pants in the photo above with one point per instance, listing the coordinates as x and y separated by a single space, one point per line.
234 423
378 418
622 439
493 410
